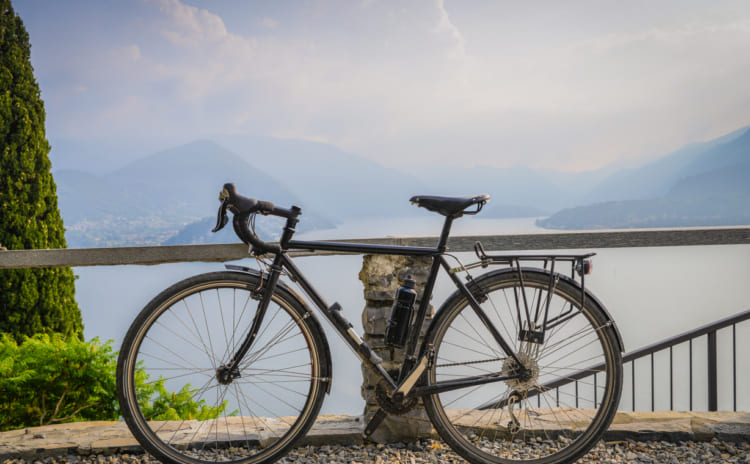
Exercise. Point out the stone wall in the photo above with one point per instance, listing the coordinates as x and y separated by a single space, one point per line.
381 276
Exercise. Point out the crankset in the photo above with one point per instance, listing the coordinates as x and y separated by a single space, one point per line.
383 394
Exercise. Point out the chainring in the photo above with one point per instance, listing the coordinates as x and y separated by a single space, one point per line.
382 396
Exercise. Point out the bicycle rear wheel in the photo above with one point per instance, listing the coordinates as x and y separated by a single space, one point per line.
171 391
569 396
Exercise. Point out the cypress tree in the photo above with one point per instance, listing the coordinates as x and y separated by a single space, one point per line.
31 300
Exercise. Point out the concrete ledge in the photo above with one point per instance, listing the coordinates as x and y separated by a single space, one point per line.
147 255
86 438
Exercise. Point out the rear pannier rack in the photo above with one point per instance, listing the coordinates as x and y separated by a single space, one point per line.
580 263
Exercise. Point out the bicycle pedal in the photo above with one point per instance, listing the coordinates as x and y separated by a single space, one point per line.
376 420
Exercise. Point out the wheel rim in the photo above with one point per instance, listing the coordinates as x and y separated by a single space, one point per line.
245 415
521 420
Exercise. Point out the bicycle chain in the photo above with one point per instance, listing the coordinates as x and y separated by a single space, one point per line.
470 362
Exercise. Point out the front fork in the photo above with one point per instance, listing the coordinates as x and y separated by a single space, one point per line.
226 373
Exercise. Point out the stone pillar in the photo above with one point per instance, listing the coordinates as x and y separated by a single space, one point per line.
381 275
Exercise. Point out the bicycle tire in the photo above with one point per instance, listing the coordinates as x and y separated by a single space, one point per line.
184 335
524 420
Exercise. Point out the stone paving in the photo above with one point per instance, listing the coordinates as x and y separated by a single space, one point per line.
108 438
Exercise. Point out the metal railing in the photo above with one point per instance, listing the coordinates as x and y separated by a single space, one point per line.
712 381
709 331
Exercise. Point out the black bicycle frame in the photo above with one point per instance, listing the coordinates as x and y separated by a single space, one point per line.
411 369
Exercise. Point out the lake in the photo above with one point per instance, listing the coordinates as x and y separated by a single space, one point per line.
652 293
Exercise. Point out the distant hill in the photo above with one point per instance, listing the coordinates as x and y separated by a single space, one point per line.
268 229
343 184
352 187
151 199
712 189
656 178
726 151
500 211
170 196
98 157
525 190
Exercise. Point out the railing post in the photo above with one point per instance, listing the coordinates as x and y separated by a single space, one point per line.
381 275
712 376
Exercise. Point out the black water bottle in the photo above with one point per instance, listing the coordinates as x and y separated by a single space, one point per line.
398 324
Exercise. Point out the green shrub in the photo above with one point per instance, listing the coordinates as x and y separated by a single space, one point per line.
48 379
175 405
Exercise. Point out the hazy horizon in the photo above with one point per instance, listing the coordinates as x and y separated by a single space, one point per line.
574 86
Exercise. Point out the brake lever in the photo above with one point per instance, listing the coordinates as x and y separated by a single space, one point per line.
221 216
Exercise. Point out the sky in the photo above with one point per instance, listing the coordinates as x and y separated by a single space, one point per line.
574 85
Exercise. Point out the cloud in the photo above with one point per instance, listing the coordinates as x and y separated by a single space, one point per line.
129 53
664 36
190 25
269 23
422 81
446 26
210 79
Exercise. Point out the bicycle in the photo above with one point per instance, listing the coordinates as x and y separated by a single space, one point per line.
518 364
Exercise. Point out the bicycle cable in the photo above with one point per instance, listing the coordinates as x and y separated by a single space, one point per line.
466 363
461 267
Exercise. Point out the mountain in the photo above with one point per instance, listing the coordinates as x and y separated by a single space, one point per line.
171 189
186 180
528 191
170 196
97 157
352 187
151 199
727 151
343 184
504 211
654 179
710 188
268 229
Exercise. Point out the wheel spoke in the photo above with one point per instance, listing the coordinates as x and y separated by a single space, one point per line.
250 415
511 419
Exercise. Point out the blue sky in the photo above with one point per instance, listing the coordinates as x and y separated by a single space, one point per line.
570 85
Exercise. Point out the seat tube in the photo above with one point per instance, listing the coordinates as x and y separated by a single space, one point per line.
411 344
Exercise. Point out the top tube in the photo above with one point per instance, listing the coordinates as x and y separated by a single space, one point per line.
376 249
363 248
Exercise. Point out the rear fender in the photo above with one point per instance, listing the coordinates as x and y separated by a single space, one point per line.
475 287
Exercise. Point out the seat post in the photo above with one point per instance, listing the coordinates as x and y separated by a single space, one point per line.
443 241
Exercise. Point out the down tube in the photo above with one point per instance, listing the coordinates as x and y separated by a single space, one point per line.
339 322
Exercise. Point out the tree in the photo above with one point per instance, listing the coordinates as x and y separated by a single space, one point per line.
31 300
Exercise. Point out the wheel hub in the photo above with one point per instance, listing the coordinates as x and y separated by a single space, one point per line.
527 377
226 374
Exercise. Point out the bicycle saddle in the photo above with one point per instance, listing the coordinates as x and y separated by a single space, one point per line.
450 206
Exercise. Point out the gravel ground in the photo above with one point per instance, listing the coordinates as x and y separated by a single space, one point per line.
431 451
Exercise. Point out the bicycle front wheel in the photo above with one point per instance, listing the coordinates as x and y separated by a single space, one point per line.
566 398
176 395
